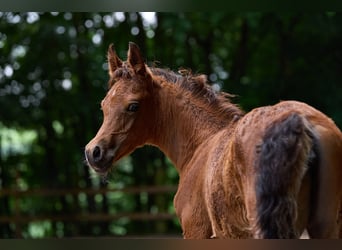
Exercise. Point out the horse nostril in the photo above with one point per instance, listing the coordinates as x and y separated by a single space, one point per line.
97 154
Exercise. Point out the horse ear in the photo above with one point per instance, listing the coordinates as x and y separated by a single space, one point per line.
136 60
114 61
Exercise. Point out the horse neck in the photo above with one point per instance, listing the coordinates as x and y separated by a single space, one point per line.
183 123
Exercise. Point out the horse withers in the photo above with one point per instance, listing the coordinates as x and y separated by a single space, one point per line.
270 173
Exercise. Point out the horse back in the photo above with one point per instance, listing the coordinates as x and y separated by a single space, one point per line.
250 131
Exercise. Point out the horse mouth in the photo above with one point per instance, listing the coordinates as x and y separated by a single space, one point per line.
103 169
100 165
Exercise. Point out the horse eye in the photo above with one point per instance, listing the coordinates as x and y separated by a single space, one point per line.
133 107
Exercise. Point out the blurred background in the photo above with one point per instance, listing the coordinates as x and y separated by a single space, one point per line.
53 75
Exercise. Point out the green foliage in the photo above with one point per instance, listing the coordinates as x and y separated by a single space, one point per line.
53 77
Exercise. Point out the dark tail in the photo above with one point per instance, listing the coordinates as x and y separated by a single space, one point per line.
281 165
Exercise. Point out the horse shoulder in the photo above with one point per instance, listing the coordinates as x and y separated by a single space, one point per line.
223 196
189 201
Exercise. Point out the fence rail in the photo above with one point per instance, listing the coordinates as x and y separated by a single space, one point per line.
89 191
19 218
86 217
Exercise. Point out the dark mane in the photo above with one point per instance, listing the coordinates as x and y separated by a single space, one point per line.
199 88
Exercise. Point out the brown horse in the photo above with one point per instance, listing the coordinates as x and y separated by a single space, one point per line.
269 173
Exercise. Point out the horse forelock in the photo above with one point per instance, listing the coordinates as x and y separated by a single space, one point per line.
123 72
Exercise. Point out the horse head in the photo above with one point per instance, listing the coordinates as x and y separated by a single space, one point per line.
127 110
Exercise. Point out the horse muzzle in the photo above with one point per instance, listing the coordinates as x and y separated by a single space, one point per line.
99 157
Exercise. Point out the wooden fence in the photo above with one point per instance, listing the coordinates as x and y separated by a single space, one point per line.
18 218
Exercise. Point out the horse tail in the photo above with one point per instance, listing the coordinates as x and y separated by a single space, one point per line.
282 163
